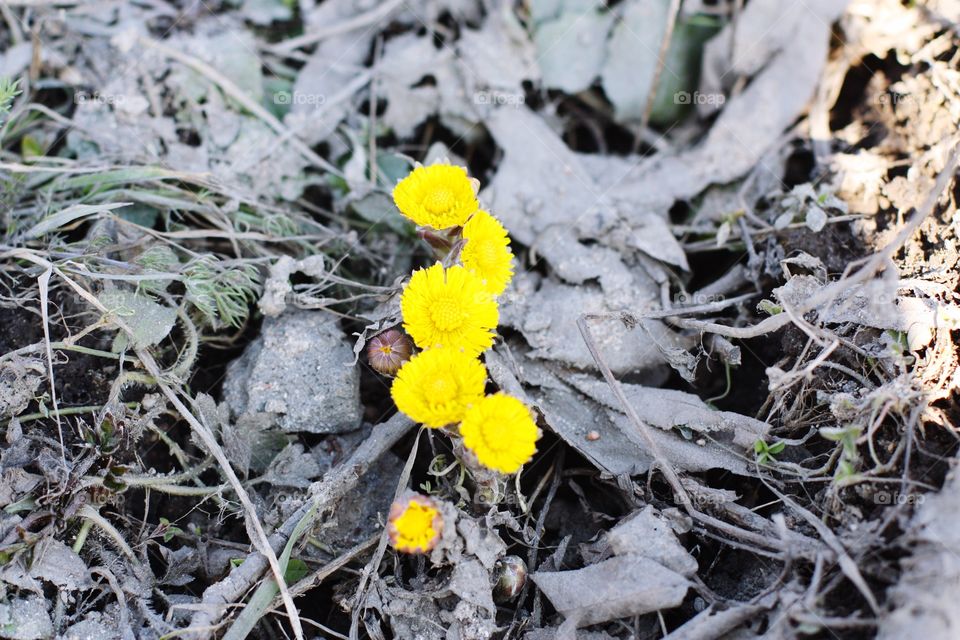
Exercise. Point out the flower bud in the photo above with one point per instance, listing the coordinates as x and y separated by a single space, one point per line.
440 241
511 576
387 351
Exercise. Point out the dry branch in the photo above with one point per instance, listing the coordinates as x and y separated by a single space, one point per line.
326 494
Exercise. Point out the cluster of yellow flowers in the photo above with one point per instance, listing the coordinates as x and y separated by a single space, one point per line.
450 311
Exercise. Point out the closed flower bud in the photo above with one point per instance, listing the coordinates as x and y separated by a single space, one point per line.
511 576
442 242
388 351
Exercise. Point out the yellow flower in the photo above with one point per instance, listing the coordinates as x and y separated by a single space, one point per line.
414 524
449 307
439 196
501 432
435 387
487 251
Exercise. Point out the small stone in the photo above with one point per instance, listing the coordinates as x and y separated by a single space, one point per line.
593 436
25 619
299 369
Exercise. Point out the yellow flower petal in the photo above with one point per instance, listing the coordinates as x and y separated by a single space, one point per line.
487 251
435 387
439 196
414 524
449 307
501 432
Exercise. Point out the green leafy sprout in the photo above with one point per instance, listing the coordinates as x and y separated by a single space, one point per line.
766 453
9 89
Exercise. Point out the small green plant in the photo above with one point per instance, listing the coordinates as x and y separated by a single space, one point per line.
9 89
766 453
899 345
221 295
770 308
847 437
105 437
168 530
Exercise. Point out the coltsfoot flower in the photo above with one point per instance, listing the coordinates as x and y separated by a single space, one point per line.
414 524
436 386
387 351
438 196
487 251
501 432
449 307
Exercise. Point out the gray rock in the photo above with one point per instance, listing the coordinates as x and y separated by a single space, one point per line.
25 619
299 369
96 626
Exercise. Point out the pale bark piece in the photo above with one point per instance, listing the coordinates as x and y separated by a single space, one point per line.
925 599
547 318
620 587
646 534
669 409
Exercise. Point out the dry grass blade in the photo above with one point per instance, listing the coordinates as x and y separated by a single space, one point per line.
44 282
240 96
259 537
830 292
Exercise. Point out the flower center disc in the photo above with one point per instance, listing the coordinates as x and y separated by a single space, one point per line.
441 390
439 200
487 254
496 434
446 315
416 523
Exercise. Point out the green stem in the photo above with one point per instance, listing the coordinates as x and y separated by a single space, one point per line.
82 535
70 411
725 393
63 346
